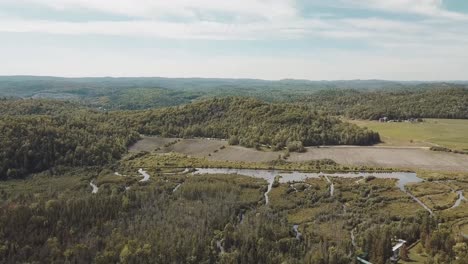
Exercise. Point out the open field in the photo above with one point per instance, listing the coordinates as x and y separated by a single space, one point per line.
464 229
450 133
410 158
414 158
213 149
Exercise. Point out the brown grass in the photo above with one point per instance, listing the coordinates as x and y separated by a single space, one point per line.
404 158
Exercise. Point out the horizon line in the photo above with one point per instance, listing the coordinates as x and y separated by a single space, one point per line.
227 78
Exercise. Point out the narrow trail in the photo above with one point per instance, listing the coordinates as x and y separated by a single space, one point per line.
95 188
145 175
374 147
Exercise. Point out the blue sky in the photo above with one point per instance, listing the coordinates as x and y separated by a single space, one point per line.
268 39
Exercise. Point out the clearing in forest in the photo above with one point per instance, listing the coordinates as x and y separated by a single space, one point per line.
450 133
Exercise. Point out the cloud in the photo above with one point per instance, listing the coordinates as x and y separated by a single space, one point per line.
373 30
432 8
156 9
248 20
170 30
410 48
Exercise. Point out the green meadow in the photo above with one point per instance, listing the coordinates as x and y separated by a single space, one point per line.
450 133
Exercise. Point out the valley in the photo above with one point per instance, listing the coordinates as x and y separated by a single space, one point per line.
230 180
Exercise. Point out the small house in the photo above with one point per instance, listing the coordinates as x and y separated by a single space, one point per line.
383 119
396 250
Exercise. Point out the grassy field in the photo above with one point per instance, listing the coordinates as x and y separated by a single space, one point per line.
387 157
350 156
448 133
464 229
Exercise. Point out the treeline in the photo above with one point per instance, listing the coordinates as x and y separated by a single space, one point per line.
144 93
440 101
38 135
250 122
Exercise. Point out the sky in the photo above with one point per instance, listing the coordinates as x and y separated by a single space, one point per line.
264 39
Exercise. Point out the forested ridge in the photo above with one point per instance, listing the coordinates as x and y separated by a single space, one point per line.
365 99
252 122
40 134
434 102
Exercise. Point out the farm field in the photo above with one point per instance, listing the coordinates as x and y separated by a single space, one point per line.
450 133
376 156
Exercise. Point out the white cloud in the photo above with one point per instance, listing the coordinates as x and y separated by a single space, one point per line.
433 8
155 9
261 19
433 46
171 30
374 31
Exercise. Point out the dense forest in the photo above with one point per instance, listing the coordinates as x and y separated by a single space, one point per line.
250 122
365 99
39 134
209 219
139 93
445 102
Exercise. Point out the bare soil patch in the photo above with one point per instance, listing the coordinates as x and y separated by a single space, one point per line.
376 156
150 144
412 158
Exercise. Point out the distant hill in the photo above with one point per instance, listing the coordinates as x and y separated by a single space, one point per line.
367 99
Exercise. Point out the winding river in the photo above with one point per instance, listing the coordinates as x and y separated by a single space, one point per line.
219 245
295 176
459 200
353 239
296 231
270 185
95 188
332 186
145 175
177 187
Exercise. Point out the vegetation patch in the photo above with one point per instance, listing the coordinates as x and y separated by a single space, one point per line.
437 133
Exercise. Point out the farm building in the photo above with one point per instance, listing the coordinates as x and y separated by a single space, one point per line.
396 250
